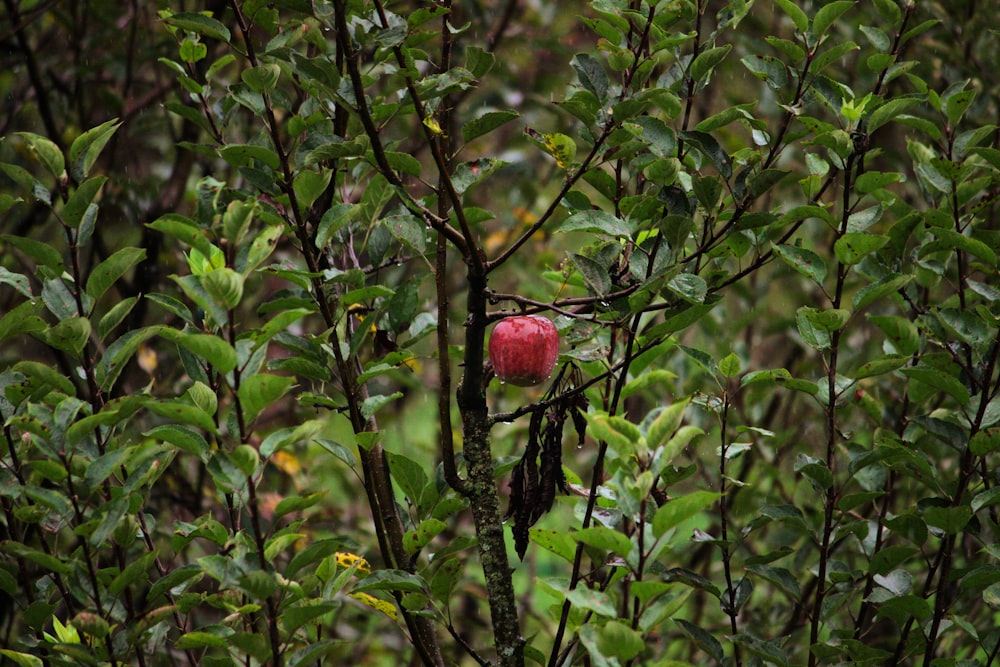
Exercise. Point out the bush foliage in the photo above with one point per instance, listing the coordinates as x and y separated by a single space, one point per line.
252 252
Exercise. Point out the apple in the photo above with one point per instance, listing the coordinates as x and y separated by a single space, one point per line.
523 349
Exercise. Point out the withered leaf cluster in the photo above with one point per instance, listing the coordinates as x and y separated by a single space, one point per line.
538 476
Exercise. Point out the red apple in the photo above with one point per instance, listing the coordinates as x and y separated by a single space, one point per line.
523 349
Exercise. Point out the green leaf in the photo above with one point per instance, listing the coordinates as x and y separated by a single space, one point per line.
201 639
604 538
558 542
836 52
768 69
710 148
763 181
478 61
47 152
793 51
40 558
236 220
874 180
486 123
591 74
815 469
311 554
879 367
42 253
815 336
184 413
21 659
225 286
596 221
214 350
243 155
189 114
828 14
594 274
614 640
81 201
969 327
309 185
592 600
408 229
831 319
261 79
956 105
404 163
246 458
392 580
706 61
667 421
119 352
181 437
199 24
888 9
614 431
901 332
770 651
295 617
860 221
16 280
852 247
261 391
260 249
939 380
69 335
21 319
192 51
86 148
888 558
870 293
8 201
804 261
27 182
780 577
41 379
730 365
981 444
184 230
373 404
110 270
678 319
648 378
678 510
661 138
701 637
801 22
949 519
952 239
890 110
689 286
991 596
444 580
416 539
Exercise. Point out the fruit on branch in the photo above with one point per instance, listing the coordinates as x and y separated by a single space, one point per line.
523 349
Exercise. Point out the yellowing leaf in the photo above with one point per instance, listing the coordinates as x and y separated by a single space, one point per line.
561 147
287 462
346 559
383 606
